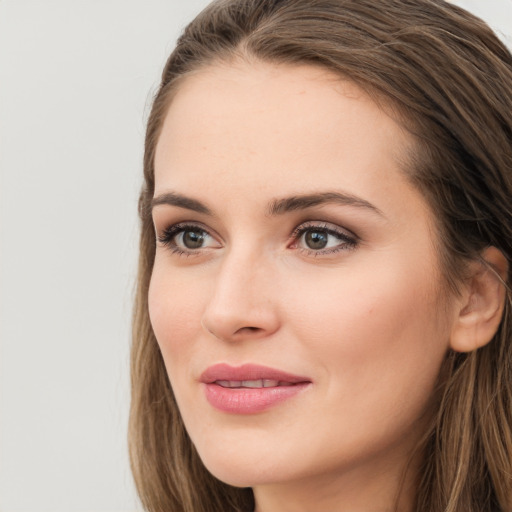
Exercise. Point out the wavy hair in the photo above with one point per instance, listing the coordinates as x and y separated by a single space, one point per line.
449 79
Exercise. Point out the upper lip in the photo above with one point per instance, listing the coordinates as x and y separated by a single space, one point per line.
248 372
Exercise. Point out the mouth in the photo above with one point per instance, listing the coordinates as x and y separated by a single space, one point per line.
249 388
251 384
249 376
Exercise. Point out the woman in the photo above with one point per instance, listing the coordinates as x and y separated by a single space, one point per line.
322 318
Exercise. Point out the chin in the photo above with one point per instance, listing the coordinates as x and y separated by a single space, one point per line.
242 470
236 476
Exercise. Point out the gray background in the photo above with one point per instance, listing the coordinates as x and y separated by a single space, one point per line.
76 80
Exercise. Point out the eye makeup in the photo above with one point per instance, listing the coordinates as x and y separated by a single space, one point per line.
312 238
320 238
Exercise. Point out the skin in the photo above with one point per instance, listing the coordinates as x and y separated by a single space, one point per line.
368 322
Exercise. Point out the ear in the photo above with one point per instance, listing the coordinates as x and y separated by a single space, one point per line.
483 300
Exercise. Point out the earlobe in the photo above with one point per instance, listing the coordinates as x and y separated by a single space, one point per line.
483 301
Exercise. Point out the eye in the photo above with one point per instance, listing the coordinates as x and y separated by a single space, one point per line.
191 239
322 238
316 239
187 239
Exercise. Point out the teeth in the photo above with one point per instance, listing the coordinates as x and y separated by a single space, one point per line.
229 383
252 383
260 383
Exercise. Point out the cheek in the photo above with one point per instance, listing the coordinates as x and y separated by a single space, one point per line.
376 343
389 295
174 311
382 324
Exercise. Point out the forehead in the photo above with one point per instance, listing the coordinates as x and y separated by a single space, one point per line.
286 112
264 92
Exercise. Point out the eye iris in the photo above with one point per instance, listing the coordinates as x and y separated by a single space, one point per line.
193 239
316 239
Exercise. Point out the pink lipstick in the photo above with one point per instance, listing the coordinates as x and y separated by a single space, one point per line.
250 388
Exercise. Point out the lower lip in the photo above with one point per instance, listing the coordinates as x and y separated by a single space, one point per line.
249 400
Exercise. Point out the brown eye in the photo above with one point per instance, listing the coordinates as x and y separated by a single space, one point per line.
316 239
193 239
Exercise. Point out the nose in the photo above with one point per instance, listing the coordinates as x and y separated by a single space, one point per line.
243 302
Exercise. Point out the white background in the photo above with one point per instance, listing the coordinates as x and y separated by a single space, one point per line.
76 80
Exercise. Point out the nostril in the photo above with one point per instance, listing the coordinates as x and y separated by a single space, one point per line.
249 329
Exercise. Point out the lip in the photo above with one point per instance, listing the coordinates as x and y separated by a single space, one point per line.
279 386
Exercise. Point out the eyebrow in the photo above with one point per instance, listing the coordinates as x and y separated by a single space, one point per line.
276 206
174 199
288 204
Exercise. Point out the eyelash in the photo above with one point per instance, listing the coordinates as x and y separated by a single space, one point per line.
167 238
347 240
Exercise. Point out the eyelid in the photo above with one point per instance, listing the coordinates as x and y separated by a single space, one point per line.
325 225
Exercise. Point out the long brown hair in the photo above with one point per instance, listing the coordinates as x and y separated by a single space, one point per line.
449 79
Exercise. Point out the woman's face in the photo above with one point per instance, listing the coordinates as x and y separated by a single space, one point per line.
296 291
